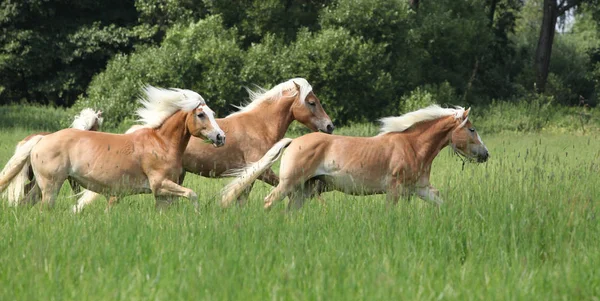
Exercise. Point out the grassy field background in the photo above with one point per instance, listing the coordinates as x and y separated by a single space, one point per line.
524 225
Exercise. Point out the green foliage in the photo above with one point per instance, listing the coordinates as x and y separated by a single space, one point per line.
258 18
347 73
202 56
156 17
421 97
390 24
531 114
50 50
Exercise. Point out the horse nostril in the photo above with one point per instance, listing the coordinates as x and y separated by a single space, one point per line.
330 128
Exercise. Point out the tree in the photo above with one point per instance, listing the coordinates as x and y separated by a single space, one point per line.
201 56
552 9
254 19
51 49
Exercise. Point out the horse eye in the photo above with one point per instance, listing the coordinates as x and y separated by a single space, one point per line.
472 130
201 115
312 103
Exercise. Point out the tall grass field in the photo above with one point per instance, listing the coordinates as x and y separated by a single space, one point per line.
523 226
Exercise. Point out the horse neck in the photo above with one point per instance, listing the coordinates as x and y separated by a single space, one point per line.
274 117
430 137
174 132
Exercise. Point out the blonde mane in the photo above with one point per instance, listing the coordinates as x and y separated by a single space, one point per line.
159 104
404 122
261 95
86 119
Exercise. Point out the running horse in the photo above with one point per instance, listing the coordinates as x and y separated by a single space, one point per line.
145 161
251 132
396 162
87 120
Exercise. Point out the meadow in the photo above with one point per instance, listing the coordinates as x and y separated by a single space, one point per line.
523 226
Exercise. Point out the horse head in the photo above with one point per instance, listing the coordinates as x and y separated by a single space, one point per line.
310 112
466 141
201 123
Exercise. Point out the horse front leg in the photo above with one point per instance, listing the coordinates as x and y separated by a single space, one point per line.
169 188
429 193
270 177
33 196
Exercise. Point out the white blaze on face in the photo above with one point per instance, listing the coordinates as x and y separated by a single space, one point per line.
211 117
481 141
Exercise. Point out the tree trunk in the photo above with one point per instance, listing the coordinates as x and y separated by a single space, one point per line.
414 4
476 64
544 46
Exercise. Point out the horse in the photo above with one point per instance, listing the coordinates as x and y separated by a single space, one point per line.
145 161
396 162
251 131
87 120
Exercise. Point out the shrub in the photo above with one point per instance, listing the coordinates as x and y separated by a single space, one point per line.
423 96
202 56
347 73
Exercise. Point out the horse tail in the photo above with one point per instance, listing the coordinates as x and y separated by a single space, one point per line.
86 119
246 175
17 163
16 188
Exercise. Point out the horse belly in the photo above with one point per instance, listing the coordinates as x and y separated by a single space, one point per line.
122 185
345 176
352 184
207 161
109 175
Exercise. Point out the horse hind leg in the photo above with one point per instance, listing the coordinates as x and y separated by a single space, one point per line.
282 190
50 188
243 198
50 193
33 196
311 188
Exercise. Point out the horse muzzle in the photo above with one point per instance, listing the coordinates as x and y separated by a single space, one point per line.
328 128
218 140
482 155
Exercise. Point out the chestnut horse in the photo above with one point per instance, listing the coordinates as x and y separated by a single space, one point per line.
148 160
87 120
251 132
396 162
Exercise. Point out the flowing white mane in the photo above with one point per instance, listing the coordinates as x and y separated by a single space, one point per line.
160 103
261 95
86 119
404 122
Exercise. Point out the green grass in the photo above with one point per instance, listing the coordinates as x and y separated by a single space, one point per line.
522 226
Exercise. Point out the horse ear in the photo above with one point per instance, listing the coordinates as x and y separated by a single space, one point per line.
466 113
297 86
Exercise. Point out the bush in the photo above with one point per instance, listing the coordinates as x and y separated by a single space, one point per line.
530 114
426 95
202 56
347 73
